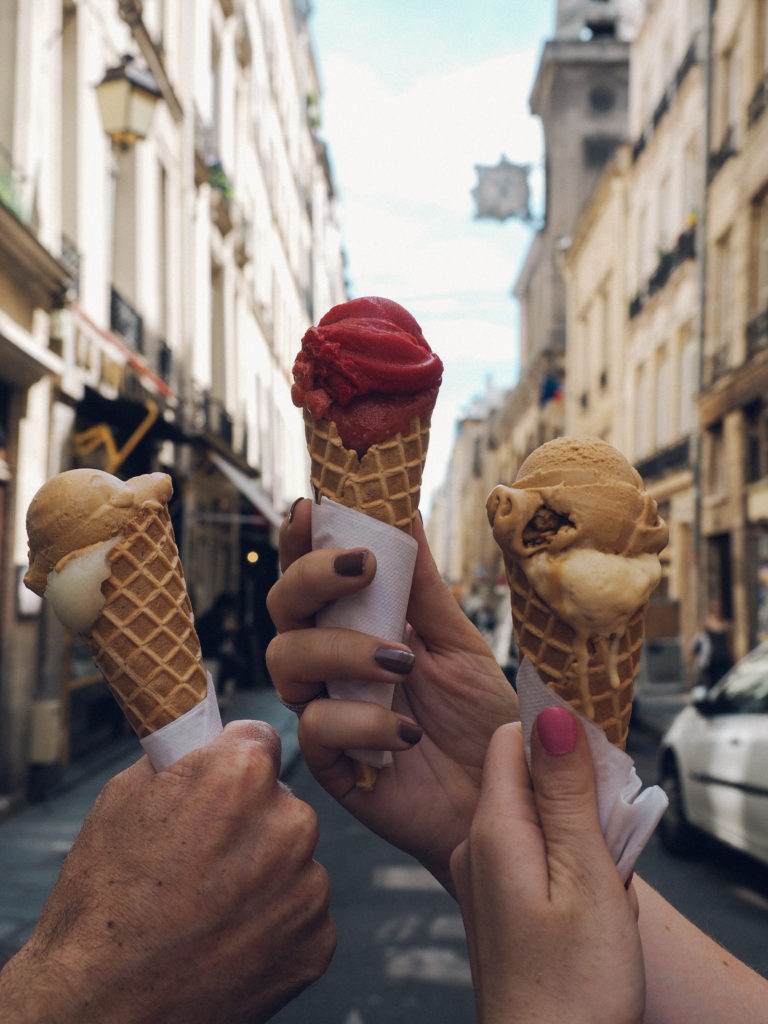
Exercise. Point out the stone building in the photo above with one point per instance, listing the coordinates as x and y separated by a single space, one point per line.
733 407
634 295
153 292
580 94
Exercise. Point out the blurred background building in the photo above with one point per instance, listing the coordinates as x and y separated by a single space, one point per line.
167 232
643 301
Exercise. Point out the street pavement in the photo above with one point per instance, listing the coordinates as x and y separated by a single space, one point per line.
401 943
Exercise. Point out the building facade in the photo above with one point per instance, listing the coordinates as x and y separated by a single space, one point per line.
664 322
732 404
153 293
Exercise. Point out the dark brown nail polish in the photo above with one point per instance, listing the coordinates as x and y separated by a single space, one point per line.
293 509
409 732
394 660
351 563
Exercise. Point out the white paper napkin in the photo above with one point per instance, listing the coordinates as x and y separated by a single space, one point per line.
196 728
627 815
379 609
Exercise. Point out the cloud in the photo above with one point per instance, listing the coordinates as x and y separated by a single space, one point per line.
420 144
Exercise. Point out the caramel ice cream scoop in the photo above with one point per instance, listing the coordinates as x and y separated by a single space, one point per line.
580 538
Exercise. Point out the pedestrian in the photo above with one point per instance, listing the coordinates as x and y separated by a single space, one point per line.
450 698
713 646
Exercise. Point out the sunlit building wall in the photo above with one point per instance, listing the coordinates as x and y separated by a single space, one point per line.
152 298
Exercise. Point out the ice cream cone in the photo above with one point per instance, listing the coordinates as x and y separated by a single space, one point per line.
598 681
384 484
143 640
580 537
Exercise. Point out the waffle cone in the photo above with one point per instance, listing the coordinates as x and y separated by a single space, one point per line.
384 484
144 640
601 685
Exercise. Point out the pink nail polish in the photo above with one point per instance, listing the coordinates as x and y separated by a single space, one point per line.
557 731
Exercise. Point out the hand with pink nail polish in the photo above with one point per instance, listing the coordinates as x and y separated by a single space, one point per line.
552 933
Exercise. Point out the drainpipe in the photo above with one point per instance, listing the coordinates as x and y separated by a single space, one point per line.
699 560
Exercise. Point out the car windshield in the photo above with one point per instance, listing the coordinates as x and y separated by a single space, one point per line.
745 688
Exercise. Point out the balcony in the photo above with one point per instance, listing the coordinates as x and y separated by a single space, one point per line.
665 461
70 258
689 60
208 415
684 249
721 156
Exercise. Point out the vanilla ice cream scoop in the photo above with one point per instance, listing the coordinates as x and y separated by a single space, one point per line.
580 538
79 509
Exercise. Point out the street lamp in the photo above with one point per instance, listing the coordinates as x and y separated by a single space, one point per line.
127 96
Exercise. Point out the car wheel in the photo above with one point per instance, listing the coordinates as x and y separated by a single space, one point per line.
675 831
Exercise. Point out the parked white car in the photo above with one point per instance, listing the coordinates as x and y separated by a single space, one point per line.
714 763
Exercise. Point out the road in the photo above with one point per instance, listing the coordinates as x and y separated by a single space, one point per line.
401 951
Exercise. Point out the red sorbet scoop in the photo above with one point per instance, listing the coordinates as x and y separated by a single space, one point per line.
367 368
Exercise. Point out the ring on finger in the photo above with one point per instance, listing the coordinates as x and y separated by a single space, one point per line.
298 707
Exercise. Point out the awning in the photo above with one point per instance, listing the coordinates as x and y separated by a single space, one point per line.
250 489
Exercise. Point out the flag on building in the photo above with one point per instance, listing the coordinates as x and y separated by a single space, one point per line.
550 390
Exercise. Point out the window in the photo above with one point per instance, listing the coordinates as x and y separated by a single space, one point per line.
714 468
722 307
727 103
598 150
761 36
641 411
759 262
663 405
756 440
688 381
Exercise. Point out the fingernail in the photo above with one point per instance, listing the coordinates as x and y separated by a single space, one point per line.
293 509
394 660
557 731
409 732
351 563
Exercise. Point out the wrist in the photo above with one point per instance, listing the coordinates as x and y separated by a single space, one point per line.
24 999
40 989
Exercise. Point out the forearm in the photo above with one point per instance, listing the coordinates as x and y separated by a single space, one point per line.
688 975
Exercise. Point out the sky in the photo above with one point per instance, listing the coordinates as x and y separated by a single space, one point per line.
414 96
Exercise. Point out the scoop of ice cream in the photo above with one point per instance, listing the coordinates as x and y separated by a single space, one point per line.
368 368
578 529
79 509
576 492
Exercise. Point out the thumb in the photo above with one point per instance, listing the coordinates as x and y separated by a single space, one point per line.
564 790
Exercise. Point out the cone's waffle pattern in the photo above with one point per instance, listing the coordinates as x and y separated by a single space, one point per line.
144 641
385 484
549 643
